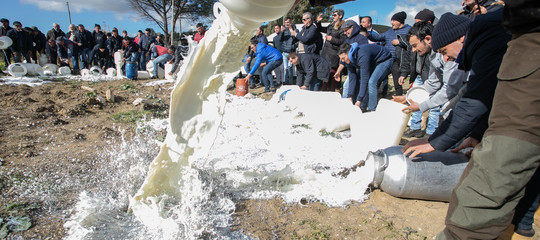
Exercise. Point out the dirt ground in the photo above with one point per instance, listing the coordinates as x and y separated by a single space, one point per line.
43 129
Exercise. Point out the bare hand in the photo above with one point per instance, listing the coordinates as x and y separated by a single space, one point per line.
282 28
401 80
303 87
413 107
263 64
468 142
170 73
395 42
417 146
328 38
357 103
319 18
399 99
248 77
337 76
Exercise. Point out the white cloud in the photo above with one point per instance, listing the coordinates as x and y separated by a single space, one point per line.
412 7
118 6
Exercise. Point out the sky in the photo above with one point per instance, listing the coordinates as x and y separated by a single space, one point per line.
116 13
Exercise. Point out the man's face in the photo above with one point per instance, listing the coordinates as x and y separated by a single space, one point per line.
56 27
124 34
348 31
344 58
5 24
294 60
277 29
253 47
97 29
18 27
170 51
115 33
288 23
336 17
147 33
469 3
307 20
422 47
396 24
365 23
451 51
81 28
200 29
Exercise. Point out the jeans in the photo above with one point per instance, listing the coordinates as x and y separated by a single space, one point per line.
433 119
288 69
86 57
160 60
266 74
133 58
377 76
279 74
345 87
314 85
527 206
395 77
143 60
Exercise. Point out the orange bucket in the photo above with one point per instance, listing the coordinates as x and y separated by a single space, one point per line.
241 87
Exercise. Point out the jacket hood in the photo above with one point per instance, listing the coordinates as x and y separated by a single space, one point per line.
353 52
355 30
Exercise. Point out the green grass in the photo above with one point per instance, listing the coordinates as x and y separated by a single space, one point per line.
129 117
127 86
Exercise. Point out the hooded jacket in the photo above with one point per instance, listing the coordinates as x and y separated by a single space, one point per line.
356 37
265 53
366 57
388 36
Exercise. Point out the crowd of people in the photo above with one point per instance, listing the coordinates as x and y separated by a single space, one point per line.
82 49
458 60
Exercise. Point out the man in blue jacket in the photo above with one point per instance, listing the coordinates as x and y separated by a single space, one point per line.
374 63
392 44
269 59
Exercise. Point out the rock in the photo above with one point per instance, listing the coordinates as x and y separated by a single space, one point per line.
59 121
141 100
80 136
88 89
109 95
101 99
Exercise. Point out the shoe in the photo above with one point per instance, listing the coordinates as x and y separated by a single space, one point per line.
525 232
417 133
273 89
252 86
258 85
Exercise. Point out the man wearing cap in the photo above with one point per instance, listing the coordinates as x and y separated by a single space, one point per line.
22 43
480 52
3 32
99 40
55 32
390 39
39 43
145 42
85 41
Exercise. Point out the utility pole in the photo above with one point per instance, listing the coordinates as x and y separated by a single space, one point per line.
69 13
172 23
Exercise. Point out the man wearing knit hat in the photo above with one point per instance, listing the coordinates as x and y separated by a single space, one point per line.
479 46
392 44
425 15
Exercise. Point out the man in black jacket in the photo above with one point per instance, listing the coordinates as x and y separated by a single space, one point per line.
99 40
22 43
39 43
115 42
85 41
55 32
3 32
311 69
310 39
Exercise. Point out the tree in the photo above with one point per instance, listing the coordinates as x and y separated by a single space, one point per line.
161 11
296 15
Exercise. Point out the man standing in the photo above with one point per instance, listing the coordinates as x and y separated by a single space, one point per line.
366 23
85 41
144 43
22 43
201 30
115 42
391 43
278 45
287 43
3 32
311 69
261 38
99 40
55 32
310 40
334 38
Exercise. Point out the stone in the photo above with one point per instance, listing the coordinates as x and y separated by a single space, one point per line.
139 101
88 89
101 99
109 95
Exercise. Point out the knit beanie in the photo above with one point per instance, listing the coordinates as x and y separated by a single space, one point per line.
425 15
400 17
450 28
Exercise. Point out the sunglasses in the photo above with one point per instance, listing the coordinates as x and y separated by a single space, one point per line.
335 15
304 19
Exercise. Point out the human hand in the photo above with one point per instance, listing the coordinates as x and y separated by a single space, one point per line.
337 76
320 17
413 107
401 79
468 142
357 103
328 38
399 99
170 73
263 64
417 146
303 87
395 42
248 77
282 28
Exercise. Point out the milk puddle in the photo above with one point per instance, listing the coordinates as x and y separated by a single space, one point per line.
261 151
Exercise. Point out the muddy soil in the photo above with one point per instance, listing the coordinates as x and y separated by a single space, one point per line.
55 130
